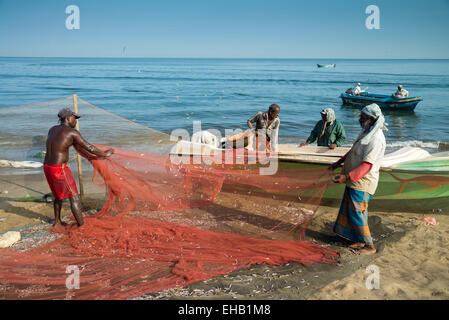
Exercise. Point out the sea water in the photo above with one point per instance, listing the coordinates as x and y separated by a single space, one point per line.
167 94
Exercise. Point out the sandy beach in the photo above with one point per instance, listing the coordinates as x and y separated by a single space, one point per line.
412 258
350 97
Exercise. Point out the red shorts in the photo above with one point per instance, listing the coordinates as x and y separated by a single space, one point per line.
60 180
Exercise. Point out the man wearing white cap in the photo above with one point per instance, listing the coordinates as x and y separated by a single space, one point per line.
361 175
358 90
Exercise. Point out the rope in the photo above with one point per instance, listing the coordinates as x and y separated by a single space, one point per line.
122 118
92 105
30 104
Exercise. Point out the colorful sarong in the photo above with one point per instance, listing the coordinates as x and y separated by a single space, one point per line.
60 180
352 219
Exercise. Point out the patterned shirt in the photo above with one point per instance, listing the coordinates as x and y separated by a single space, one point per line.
272 130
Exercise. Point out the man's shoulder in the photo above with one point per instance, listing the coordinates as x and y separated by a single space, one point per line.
379 138
68 131
258 114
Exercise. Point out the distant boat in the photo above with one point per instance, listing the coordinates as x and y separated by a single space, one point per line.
382 100
326 65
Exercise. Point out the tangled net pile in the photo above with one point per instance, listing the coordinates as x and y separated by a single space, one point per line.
165 225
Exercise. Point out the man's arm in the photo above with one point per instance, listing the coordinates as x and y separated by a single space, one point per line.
361 171
335 165
314 133
341 135
312 137
274 136
79 140
251 120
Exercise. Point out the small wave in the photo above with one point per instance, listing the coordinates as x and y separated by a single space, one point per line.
132 90
414 143
63 88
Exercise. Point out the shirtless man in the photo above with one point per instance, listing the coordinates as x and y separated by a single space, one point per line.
58 174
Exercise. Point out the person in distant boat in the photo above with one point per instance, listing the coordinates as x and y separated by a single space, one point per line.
267 127
358 89
329 131
361 175
401 92
58 174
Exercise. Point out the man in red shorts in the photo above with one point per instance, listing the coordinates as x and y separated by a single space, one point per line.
58 174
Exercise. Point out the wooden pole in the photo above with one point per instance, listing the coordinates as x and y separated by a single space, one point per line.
78 158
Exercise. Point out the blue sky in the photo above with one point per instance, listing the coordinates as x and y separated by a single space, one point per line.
225 29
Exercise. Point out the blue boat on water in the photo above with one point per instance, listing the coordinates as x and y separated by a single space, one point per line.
383 101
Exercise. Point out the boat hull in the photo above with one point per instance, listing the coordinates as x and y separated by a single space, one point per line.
420 184
326 65
384 102
398 190
409 194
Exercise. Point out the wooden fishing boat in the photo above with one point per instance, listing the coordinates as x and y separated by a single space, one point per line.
326 65
411 179
383 101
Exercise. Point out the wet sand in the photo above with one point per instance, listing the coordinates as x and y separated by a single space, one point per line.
412 259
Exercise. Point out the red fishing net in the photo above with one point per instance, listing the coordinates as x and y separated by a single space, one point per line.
165 225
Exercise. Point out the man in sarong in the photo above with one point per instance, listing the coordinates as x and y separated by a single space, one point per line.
58 174
329 131
361 175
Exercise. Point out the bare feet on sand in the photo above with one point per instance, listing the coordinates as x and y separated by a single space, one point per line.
59 224
368 250
357 245
362 248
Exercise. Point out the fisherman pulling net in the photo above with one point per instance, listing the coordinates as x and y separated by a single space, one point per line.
166 223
